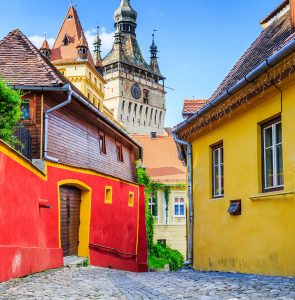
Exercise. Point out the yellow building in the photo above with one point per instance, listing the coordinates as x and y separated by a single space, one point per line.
168 203
71 56
241 150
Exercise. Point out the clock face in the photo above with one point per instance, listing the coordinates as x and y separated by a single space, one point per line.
135 91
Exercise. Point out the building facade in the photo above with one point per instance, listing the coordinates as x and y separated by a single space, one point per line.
76 193
168 203
135 90
72 57
243 162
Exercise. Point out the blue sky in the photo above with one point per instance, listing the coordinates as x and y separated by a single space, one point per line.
199 40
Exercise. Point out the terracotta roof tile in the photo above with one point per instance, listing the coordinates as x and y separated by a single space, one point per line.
268 42
71 28
161 159
190 107
21 63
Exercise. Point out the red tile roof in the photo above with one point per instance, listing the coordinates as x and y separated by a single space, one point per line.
21 63
190 107
161 159
73 29
45 45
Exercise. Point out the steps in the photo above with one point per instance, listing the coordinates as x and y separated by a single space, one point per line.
75 261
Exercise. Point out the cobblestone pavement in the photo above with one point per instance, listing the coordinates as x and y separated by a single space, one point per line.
97 283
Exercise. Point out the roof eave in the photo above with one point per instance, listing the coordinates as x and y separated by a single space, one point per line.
250 77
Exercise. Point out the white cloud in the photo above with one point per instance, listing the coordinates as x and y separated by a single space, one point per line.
37 40
107 40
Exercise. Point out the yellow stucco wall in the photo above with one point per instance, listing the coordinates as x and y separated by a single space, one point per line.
175 236
262 239
174 232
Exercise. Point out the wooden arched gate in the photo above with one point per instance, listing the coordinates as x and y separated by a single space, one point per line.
70 203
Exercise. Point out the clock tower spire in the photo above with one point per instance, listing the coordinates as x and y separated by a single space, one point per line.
135 89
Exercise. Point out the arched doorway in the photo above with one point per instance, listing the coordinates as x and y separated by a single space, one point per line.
74 217
70 203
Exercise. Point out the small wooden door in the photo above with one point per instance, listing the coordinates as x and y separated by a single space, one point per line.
70 201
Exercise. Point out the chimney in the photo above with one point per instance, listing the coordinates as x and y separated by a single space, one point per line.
292 15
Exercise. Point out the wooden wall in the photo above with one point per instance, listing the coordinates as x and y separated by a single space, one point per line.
74 140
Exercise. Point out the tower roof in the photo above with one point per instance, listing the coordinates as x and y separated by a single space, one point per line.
82 42
72 31
125 13
45 45
126 48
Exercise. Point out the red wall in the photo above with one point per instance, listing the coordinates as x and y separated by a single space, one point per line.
29 240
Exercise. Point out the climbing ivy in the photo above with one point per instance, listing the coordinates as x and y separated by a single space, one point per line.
10 113
157 252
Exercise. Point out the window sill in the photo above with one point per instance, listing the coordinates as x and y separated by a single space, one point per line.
217 198
271 195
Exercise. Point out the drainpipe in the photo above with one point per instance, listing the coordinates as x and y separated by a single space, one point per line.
190 195
66 88
46 118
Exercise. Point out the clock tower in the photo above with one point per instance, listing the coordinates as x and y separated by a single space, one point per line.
135 89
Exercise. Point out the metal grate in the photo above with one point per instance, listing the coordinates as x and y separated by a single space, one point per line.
24 137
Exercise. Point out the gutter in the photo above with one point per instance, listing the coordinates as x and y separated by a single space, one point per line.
190 196
67 88
46 118
250 77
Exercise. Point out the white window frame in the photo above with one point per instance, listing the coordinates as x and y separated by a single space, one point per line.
151 204
274 156
179 204
218 164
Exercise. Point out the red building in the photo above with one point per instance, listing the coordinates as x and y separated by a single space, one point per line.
76 192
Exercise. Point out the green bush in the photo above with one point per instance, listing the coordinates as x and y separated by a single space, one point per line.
157 263
174 257
10 113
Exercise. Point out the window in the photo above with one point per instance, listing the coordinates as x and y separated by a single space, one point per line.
153 206
120 152
66 40
162 242
273 177
102 143
131 199
108 195
179 210
146 96
217 171
25 109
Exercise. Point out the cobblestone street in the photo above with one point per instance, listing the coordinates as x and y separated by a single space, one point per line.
97 283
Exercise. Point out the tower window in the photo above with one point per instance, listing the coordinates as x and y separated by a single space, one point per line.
66 40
